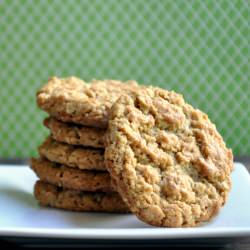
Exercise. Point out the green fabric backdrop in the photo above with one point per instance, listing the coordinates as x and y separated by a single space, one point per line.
198 48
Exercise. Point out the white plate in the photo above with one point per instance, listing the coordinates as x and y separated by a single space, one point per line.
20 214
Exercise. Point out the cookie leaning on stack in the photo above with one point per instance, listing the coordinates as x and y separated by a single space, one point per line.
71 165
167 160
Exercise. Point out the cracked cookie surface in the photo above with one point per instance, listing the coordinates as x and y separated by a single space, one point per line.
73 100
73 200
72 156
63 176
167 160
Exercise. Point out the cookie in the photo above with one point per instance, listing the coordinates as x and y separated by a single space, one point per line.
63 176
169 163
73 100
75 134
72 156
53 196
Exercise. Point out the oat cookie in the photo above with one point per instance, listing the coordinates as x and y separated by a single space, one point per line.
63 176
72 156
168 162
53 196
73 100
75 134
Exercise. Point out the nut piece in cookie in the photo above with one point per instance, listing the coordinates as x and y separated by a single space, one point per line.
167 160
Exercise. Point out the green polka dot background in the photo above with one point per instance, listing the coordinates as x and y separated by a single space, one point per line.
198 48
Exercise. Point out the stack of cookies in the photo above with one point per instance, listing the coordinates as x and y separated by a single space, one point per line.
120 147
71 165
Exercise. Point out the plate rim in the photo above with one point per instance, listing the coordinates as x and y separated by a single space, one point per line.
128 233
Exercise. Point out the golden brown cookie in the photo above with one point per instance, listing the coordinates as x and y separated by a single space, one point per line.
75 134
169 163
72 156
63 176
53 196
73 100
